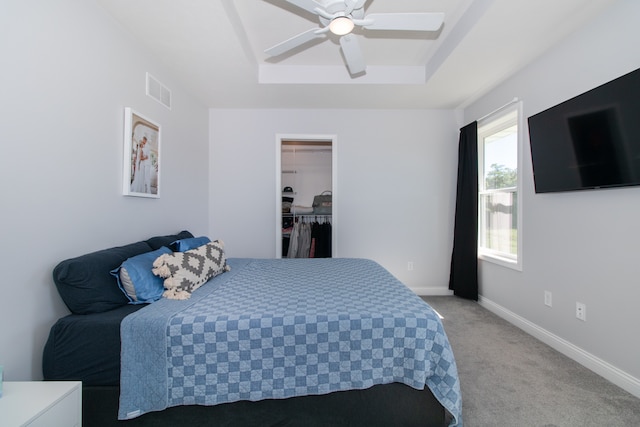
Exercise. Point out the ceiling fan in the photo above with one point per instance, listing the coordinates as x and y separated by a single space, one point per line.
340 17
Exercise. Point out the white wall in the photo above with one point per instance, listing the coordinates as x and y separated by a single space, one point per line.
67 73
395 185
312 173
581 246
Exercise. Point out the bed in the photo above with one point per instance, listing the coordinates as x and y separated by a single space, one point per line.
270 342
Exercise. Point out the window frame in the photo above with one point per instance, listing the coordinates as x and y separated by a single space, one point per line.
487 126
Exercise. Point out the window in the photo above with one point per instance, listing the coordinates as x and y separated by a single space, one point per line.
499 182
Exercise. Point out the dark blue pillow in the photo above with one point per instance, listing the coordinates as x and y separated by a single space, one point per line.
160 241
85 283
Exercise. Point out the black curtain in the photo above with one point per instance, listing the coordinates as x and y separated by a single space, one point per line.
463 278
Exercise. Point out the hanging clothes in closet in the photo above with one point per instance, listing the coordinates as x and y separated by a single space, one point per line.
321 239
310 240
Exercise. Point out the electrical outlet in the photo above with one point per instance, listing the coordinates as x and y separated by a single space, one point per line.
547 298
581 311
410 265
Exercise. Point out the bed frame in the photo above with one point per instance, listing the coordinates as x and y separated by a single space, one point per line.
382 405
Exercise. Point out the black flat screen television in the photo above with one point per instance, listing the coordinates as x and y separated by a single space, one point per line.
590 141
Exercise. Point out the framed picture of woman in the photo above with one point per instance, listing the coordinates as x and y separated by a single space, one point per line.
141 156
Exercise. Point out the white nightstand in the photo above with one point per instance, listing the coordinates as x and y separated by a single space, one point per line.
41 404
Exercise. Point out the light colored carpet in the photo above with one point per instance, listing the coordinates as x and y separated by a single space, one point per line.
509 378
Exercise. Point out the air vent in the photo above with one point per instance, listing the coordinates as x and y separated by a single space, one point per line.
158 91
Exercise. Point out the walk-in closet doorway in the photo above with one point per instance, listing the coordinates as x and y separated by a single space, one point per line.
306 167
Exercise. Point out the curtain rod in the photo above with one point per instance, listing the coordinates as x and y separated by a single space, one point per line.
513 101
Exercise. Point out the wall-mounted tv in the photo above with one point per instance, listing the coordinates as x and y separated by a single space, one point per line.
590 141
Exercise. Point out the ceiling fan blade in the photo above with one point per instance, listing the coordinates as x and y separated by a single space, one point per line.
308 5
352 54
294 42
353 5
403 21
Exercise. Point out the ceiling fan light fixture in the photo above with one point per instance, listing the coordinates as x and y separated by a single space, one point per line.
341 25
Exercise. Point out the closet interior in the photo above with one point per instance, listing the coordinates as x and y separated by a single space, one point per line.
306 168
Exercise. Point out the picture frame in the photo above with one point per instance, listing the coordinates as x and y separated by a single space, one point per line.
141 165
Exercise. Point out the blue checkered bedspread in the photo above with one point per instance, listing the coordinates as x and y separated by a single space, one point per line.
281 328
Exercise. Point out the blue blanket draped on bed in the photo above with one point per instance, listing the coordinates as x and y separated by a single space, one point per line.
281 328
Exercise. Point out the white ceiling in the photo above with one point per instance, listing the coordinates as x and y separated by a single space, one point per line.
215 50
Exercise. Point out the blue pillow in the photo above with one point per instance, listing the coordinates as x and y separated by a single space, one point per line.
184 245
136 279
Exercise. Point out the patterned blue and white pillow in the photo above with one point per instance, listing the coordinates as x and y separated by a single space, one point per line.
184 272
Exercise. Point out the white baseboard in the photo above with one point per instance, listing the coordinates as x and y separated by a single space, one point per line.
424 291
597 365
